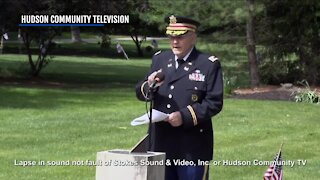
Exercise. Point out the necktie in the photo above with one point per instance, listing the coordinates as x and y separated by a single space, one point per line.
180 62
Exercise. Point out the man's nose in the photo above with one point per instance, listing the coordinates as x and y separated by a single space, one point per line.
175 40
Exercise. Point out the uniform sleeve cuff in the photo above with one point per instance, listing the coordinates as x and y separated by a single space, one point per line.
189 117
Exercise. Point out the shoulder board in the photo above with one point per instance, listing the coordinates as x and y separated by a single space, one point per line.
157 53
213 58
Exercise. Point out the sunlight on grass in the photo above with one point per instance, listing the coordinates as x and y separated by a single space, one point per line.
90 103
74 124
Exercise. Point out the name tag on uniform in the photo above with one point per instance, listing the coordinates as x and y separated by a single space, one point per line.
197 77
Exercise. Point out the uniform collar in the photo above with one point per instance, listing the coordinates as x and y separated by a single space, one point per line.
186 56
190 65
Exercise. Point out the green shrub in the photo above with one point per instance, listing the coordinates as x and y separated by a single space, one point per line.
6 73
306 95
105 41
229 84
280 71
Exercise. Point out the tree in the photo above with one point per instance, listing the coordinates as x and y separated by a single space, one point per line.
39 37
111 7
213 15
75 34
251 46
7 10
290 32
137 33
72 7
43 39
137 29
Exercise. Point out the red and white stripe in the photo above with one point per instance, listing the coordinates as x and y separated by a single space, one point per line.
271 174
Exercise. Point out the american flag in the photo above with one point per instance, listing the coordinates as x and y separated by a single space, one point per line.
274 171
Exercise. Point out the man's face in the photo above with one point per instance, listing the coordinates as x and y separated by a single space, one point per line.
181 45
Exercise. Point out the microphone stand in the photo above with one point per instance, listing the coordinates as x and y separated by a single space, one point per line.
150 97
151 92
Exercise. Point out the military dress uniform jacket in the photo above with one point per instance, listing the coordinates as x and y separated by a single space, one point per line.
196 90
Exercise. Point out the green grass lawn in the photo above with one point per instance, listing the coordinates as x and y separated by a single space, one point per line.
234 62
93 113
63 124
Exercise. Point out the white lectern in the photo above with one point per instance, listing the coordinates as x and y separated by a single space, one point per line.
127 165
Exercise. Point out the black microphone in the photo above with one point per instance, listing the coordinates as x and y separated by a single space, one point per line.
157 79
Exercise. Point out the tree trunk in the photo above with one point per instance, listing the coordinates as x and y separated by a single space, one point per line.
309 65
75 34
26 41
138 43
1 41
1 45
251 47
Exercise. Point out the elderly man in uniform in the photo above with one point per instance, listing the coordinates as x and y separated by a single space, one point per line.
191 93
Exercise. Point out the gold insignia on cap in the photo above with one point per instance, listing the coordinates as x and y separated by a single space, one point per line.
173 19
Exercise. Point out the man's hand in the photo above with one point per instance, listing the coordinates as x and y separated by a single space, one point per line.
175 119
152 76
